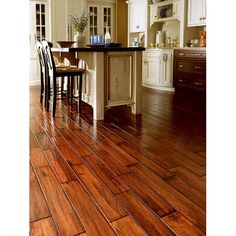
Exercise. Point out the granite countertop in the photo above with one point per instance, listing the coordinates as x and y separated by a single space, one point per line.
180 48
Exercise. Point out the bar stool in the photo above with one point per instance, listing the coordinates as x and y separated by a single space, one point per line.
55 72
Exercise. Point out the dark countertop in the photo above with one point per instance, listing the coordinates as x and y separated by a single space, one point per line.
98 49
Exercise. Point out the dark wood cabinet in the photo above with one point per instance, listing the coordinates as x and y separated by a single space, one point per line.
190 69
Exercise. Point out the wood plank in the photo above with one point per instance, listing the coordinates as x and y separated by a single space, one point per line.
150 222
108 177
164 162
85 137
38 205
80 148
152 199
44 227
61 209
59 166
172 154
118 152
115 164
127 226
91 217
66 151
158 169
194 213
33 141
190 192
100 194
181 225
190 178
37 158
44 141
35 126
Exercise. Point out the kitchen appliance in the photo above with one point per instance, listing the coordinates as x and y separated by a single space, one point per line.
158 38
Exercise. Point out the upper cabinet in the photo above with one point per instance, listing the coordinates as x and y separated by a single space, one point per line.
102 17
196 13
137 16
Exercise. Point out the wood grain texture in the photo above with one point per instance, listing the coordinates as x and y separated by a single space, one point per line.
62 212
155 167
107 176
92 219
38 205
113 163
150 163
139 211
44 227
152 199
38 158
127 226
174 197
181 225
104 198
60 167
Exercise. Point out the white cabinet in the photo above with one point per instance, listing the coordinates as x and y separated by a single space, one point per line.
166 78
137 16
158 69
102 17
196 13
151 67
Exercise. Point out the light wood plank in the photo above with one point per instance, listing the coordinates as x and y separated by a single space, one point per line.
150 222
44 227
127 226
37 158
92 218
101 195
62 211
38 205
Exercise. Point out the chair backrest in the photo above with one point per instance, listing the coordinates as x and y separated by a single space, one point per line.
49 60
41 57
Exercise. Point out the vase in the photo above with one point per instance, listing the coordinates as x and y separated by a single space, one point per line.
80 39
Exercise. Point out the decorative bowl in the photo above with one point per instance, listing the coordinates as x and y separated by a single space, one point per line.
65 44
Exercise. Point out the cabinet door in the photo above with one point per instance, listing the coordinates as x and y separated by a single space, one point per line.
167 68
177 9
153 14
118 78
196 16
151 69
137 17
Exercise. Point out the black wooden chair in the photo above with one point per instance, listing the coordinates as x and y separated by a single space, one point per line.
43 73
55 72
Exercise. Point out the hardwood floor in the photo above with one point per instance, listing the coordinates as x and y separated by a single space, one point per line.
125 175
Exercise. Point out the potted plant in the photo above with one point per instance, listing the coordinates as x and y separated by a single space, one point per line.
79 24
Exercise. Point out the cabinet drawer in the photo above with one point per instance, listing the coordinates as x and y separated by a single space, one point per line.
190 54
194 67
189 81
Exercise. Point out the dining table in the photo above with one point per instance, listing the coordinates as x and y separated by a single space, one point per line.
113 75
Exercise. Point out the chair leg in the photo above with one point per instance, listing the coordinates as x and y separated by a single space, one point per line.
80 92
54 92
68 89
71 89
48 93
41 89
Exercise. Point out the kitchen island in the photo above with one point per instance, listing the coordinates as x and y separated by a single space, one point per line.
113 76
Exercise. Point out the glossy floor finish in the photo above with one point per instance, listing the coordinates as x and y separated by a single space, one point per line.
125 175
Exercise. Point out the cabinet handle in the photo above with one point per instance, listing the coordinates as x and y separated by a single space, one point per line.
181 54
145 61
155 16
198 54
197 83
197 67
201 18
181 66
165 57
180 80
137 26
174 13
204 18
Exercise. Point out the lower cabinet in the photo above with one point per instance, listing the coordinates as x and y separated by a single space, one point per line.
118 78
158 69
190 69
